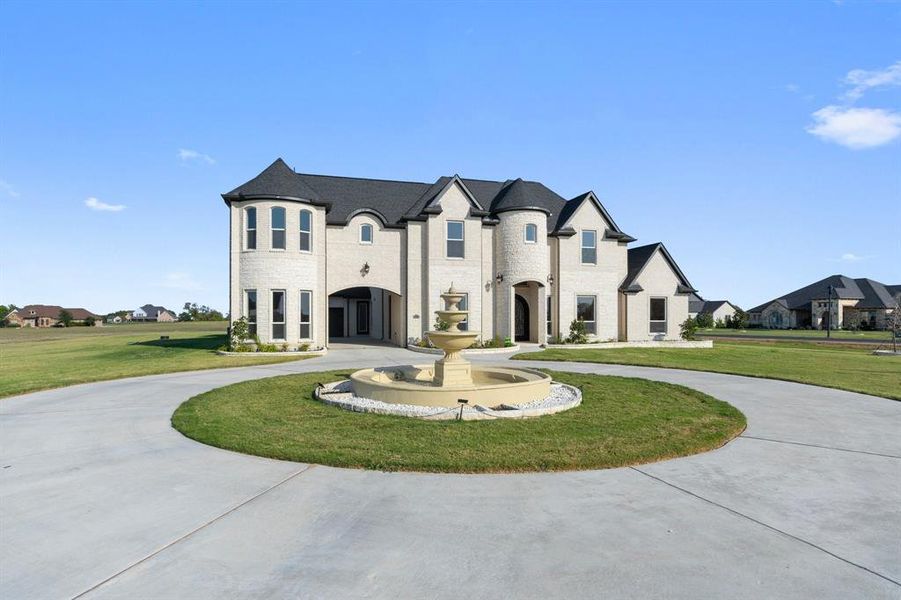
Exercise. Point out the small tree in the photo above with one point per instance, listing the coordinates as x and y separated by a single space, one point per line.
688 329
704 320
578 333
65 317
240 334
90 321
739 320
893 324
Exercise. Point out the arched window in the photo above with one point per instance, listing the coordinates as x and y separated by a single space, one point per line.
531 233
365 233
306 231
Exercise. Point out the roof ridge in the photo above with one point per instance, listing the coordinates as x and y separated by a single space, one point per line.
367 178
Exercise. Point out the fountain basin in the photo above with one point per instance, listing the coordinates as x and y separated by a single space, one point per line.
414 384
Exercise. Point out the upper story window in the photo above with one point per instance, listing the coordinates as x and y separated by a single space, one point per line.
278 228
365 233
250 228
531 233
306 231
589 247
455 239
658 315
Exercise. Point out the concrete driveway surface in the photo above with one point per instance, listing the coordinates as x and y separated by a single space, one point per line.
101 498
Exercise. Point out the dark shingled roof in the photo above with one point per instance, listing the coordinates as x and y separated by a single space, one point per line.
640 256
710 306
871 294
399 201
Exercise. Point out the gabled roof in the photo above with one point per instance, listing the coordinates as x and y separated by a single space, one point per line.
152 309
639 258
52 311
396 202
711 306
870 293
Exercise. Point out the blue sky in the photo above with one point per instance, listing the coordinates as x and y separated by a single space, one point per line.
761 142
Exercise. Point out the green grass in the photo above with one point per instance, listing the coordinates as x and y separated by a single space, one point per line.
843 367
814 334
621 421
37 359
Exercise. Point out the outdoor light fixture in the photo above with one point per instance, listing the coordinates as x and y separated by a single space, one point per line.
550 279
463 402
500 277
365 269
487 286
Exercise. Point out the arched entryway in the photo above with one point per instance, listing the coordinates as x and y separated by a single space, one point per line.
521 319
365 315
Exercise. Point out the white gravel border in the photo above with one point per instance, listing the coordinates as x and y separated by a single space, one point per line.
340 394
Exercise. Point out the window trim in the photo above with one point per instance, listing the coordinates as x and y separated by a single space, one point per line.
665 320
309 323
371 234
301 231
525 233
583 247
273 228
251 325
448 239
594 308
272 321
248 229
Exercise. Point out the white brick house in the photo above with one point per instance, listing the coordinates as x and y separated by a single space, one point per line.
316 258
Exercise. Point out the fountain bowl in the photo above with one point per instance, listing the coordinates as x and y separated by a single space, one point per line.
413 384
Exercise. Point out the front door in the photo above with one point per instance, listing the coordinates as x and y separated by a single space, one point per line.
521 319
362 318
335 321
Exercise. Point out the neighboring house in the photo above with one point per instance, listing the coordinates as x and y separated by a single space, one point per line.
151 313
836 301
316 258
718 309
47 315
122 316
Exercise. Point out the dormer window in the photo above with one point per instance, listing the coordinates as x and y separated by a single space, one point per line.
306 231
589 247
366 233
531 233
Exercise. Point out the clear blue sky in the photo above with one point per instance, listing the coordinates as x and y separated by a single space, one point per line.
758 141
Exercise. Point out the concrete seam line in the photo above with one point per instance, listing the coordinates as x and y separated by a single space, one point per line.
192 532
763 439
770 527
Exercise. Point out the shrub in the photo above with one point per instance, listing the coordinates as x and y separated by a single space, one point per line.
267 348
688 329
578 333
719 324
704 320
441 325
739 320
240 334
303 347
508 342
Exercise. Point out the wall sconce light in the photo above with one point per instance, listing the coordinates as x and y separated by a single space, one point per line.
500 278
550 279
365 269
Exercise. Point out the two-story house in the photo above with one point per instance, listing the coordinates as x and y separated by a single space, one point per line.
315 258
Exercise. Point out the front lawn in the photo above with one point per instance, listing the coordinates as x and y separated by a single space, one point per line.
621 421
36 359
842 367
814 334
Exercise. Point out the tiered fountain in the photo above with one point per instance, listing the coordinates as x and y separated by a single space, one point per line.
452 377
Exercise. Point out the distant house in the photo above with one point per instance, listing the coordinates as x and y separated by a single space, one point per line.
155 314
122 316
47 315
718 309
836 301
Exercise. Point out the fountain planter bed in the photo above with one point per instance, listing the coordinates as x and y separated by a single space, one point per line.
561 397
621 421
320 352
648 344
468 351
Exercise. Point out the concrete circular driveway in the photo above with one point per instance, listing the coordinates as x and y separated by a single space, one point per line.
100 497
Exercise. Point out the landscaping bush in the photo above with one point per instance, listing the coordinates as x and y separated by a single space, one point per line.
688 329
578 333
